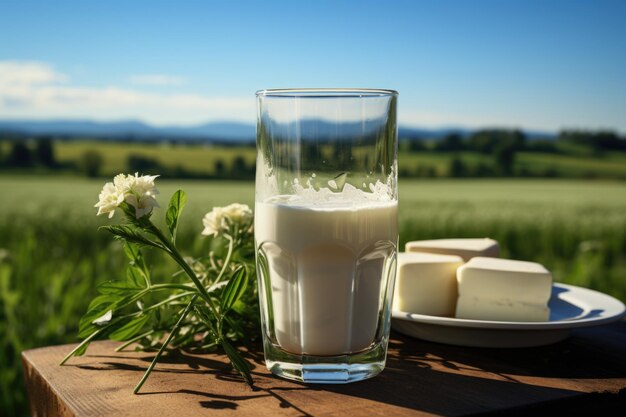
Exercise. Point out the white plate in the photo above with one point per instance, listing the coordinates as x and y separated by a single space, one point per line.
570 307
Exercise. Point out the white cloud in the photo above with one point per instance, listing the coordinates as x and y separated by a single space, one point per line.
27 73
156 80
34 90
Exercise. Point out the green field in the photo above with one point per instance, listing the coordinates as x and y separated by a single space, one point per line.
195 158
52 256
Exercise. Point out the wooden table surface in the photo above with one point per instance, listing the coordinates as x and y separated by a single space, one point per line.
585 374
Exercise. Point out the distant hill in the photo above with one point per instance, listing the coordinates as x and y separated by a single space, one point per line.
228 131
417 133
213 131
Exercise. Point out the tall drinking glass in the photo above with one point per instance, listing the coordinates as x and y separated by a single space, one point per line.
326 230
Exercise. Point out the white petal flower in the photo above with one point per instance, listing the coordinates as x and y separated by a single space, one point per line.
123 182
109 199
137 191
238 212
220 218
212 222
144 185
141 193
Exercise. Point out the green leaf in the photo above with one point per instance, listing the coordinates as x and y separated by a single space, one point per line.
131 216
86 325
135 278
106 299
134 255
130 234
240 307
204 314
237 361
137 264
134 282
81 350
175 208
97 308
118 287
234 290
130 329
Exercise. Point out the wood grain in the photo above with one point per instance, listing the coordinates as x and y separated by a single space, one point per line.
421 378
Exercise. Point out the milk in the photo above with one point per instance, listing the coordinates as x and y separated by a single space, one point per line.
331 265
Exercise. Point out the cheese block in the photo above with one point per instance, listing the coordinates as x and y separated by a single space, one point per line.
465 248
426 284
503 290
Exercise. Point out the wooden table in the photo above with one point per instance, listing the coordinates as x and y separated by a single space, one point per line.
584 375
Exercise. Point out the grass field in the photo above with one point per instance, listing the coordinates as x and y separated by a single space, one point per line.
52 256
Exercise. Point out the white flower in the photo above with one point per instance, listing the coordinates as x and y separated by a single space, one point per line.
220 218
123 182
212 221
110 198
238 212
137 191
141 193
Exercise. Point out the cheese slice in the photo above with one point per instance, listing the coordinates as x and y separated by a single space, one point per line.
426 284
503 290
465 248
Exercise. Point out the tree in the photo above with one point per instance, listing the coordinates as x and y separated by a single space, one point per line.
342 154
607 140
143 164
417 145
92 163
542 146
427 171
239 168
457 168
451 142
311 155
483 170
20 155
220 168
486 141
44 152
504 155
596 141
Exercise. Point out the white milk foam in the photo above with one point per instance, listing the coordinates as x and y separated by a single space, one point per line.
349 197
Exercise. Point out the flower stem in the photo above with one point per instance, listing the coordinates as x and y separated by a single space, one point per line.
164 345
83 343
227 260
166 301
156 287
173 252
133 340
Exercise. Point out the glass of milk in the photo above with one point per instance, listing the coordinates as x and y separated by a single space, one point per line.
326 230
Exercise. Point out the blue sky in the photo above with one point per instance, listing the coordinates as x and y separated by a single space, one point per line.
530 64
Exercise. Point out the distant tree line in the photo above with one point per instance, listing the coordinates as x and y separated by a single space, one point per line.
496 149
597 141
493 140
21 154
238 169
503 145
39 154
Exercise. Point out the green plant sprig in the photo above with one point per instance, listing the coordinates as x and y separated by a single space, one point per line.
213 299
